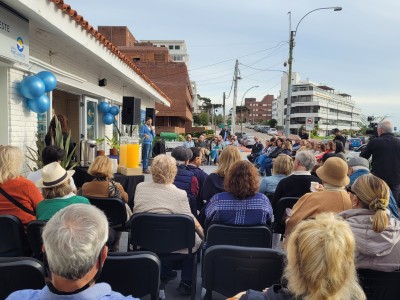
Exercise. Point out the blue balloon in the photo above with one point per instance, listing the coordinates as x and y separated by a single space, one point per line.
49 80
39 105
114 110
108 119
103 107
31 87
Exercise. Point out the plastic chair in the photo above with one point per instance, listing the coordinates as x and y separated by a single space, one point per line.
164 234
379 285
229 270
247 236
13 241
19 273
132 273
34 232
279 224
114 209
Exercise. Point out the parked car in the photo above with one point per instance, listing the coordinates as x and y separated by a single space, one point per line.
265 129
272 131
356 152
250 126
362 138
354 143
249 141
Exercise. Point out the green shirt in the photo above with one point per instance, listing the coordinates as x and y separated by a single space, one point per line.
47 208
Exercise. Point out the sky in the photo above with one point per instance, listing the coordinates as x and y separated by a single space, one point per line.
355 51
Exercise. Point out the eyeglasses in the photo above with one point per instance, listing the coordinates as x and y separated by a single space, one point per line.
349 190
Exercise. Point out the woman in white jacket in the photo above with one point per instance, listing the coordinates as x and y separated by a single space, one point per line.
377 233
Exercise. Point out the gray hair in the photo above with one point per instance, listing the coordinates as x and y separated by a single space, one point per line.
73 240
386 126
306 159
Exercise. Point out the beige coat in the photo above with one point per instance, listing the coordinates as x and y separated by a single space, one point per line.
314 203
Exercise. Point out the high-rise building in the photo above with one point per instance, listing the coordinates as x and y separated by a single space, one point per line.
257 111
177 49
321 103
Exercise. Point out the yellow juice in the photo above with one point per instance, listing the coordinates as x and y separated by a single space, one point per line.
132 159
123 151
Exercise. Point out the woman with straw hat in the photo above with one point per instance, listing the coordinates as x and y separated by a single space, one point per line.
56 190
330 197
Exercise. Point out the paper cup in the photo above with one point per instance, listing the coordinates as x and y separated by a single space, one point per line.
313 185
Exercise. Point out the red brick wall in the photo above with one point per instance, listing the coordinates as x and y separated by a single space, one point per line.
118 35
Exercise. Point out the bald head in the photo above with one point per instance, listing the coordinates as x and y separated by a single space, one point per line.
385 126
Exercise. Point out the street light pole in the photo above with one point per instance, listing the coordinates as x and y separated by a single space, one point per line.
241 107
290 61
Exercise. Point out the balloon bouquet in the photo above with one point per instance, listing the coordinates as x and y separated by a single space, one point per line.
34 89
109 112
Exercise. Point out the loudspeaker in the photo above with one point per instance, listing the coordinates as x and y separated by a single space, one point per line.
151 112
131 111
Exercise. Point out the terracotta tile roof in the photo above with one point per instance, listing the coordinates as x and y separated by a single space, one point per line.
106 43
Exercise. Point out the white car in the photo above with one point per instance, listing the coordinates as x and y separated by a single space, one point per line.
273 131
249 141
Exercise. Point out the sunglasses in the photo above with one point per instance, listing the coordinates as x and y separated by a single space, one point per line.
349 190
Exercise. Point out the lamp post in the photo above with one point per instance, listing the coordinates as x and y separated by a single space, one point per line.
290 61
241 107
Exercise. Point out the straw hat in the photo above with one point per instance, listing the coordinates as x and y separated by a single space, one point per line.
334 171
53 175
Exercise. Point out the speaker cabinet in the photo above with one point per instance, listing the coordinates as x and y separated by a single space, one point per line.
131 111
151 112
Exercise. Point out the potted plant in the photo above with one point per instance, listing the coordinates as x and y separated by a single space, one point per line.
100 145
113 143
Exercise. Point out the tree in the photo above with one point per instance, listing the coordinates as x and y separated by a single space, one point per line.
272 123
203 118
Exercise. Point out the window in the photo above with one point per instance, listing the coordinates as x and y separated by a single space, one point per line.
136 59
171 47
162 46
177 47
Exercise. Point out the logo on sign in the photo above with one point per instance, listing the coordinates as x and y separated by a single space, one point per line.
310 121
20 44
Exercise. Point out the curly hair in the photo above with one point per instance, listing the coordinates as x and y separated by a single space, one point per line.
242 180
163 169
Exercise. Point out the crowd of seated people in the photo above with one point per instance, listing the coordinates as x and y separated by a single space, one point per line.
344 214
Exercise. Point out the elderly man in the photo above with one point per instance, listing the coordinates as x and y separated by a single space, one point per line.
188 143
74 245
299 182
204 146
385 151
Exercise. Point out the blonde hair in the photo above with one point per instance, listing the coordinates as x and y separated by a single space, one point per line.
320 260
228 157
163 169
57 191
11 159
283 164
287 145
101 167
374 194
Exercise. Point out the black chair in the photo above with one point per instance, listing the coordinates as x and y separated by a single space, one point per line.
164 234
114 209
283 203
229 270
380 285
246 236
13 241
132 273
18 273
34 232
269 195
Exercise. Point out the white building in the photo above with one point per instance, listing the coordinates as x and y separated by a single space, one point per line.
177 49
329 108
51 36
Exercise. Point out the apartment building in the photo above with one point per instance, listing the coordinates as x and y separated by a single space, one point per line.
257 111
329 108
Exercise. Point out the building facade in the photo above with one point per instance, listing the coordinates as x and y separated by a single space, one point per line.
321 103
58 39
257 111
172 77
176 48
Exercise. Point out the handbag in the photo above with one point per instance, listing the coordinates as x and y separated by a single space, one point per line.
16 203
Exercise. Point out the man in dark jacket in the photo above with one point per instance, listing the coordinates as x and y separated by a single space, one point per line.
256 150
385 151
185 179
339 136
225 132
193 166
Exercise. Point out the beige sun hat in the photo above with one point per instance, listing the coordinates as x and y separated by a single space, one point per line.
53 175
334 171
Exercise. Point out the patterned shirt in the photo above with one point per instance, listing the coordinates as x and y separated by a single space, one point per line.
226 209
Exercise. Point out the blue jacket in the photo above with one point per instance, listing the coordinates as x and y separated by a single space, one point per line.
145 130
187 181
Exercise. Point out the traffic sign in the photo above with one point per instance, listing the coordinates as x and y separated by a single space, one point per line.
310 123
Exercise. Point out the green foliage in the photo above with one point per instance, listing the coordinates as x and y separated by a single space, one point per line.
35 155
265 122
314 132
272 123
59 141
201 118
113 143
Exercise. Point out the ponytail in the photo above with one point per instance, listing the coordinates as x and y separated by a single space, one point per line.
381 219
